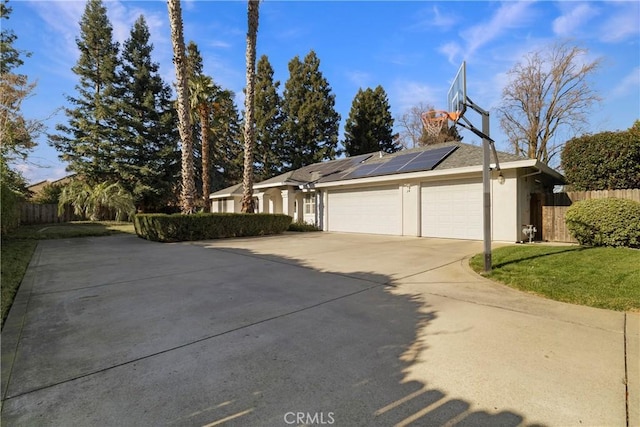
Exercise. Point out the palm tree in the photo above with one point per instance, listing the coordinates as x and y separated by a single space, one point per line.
249 122
97 202
188 191
201 92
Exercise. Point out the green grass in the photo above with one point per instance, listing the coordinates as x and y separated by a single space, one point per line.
71 229
601 277
19 245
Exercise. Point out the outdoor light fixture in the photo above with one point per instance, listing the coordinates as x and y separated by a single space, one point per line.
500 179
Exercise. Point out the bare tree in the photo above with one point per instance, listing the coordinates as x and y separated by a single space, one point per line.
249 119
412 132
188 190
548 92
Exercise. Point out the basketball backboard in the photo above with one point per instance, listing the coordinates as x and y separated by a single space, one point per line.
457 96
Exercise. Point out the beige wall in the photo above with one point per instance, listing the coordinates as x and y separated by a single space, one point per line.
505 207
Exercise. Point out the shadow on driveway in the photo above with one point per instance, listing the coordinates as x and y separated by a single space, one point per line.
121 331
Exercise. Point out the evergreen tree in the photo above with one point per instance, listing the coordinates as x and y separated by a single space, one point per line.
86 141
147 144
9 55
369 127
268 113
311 122
227 147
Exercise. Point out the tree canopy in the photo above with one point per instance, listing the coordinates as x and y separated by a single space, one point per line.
549 92
311 121
369 126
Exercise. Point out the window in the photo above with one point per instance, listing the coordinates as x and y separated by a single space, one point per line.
310 203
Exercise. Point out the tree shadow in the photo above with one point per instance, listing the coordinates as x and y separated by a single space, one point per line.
230 337
546 255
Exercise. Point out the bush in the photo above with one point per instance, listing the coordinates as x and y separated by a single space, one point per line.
604 161
605 222
203 226
303 226
10 215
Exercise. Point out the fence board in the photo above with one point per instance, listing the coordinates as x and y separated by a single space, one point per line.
32 213
554 227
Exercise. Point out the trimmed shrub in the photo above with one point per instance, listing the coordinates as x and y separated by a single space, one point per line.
10 205
604 161
303 226
203 226
605 222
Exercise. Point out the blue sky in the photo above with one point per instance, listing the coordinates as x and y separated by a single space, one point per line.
412 48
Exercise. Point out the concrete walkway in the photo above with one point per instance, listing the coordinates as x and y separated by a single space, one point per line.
303 329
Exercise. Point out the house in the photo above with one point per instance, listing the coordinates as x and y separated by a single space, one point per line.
433 191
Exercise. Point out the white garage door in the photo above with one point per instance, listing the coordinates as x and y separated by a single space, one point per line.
375 210
452 210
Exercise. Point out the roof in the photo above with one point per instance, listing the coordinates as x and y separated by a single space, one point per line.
234 190
437 157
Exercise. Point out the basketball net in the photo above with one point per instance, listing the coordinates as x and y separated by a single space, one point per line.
434 120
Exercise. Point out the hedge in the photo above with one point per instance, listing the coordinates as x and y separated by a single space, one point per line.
203 226
605 222
604 161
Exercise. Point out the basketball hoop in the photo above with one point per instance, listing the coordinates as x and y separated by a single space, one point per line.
435 120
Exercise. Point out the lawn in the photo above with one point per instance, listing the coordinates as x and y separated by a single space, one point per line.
18 248
601 277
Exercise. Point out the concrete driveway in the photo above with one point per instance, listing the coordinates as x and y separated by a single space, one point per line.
303 329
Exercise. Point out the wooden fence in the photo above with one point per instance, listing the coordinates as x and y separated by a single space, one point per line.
32 213
554 209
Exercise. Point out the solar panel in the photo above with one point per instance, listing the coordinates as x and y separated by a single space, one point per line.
427 160
394 164
362 171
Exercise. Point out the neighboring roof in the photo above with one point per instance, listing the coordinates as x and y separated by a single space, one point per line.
234 190
38 186
455 155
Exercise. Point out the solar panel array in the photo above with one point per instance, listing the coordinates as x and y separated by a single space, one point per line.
337 166
411 162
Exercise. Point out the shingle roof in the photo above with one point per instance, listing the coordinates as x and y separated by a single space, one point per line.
464 155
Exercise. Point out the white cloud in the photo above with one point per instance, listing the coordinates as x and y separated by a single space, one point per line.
433 18
405 94
442 20
509 15
629 84
452 51
623 23
567 24
63 19
360 79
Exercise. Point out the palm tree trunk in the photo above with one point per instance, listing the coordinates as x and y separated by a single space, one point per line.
249 125
188 190
204 136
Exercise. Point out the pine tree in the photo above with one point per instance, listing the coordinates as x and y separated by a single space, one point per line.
369 127
86 141
227 148
311 122
268 113
147 144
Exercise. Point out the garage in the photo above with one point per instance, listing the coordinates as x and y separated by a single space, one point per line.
375 210
452 209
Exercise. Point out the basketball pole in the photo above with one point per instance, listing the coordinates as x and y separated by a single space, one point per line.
486 190
487 147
